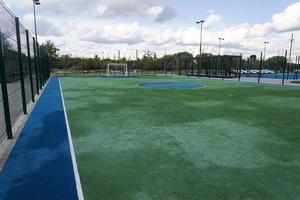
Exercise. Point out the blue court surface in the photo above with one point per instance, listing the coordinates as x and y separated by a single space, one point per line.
170 85
40 165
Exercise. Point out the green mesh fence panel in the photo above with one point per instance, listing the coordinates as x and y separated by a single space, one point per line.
33 65
2 122
8 28
26 70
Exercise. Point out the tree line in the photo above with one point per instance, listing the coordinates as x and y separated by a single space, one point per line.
150 62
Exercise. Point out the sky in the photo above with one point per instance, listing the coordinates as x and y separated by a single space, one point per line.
102 27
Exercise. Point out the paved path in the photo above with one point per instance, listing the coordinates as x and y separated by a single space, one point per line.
40 165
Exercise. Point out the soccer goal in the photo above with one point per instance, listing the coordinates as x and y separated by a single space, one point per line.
114 69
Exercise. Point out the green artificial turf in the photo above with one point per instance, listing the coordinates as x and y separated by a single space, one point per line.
225 141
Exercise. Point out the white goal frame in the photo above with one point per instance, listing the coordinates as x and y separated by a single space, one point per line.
124 65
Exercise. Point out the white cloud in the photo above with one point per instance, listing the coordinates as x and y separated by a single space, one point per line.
73 26
135 8
101 10
116 8
18 3
59 7
288 20
45 26
155 10
113 34
211 11
166 14
212 20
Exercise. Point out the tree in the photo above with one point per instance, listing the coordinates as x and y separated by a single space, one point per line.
276 62
205 55
52 52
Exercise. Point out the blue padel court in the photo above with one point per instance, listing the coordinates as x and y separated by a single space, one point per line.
40 165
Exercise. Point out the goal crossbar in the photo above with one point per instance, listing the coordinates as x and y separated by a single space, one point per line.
124 66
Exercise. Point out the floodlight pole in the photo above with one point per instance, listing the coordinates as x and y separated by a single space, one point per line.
200 55
136 53
35 2
220 45
291 48
265 50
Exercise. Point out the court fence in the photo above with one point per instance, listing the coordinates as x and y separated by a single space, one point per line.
24 70
253 69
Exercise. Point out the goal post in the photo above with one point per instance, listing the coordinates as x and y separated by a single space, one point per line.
120 68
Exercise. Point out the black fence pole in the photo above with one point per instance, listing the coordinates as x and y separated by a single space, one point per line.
248 67
222 67
284 68
42 57
186 65
209 64
193 65
4 92
277 67
288 70
30 66
240 68
36 67
260 67
298 63
295 68
180 64
198 73
42 65
39 65
48 67
21 71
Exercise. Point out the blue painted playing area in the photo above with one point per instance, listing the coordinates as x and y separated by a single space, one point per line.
40 165
170 85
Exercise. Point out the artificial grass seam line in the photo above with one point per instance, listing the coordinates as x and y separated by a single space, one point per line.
75 167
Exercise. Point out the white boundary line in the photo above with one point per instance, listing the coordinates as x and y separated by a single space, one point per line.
75 167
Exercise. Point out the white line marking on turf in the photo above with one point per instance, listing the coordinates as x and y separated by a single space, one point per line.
75 167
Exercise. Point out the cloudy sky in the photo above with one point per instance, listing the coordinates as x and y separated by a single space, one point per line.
89 27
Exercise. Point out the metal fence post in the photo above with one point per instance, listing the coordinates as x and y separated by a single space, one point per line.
49 69
222 66
240 70
39 65
297 68
21 65
36 67
4 92
30 66
180 65
260 67
284 68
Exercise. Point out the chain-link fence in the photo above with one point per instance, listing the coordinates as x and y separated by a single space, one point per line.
24 69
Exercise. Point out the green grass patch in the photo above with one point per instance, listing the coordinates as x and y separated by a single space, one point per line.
225 141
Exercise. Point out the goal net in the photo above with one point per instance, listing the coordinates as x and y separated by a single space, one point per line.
116 69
